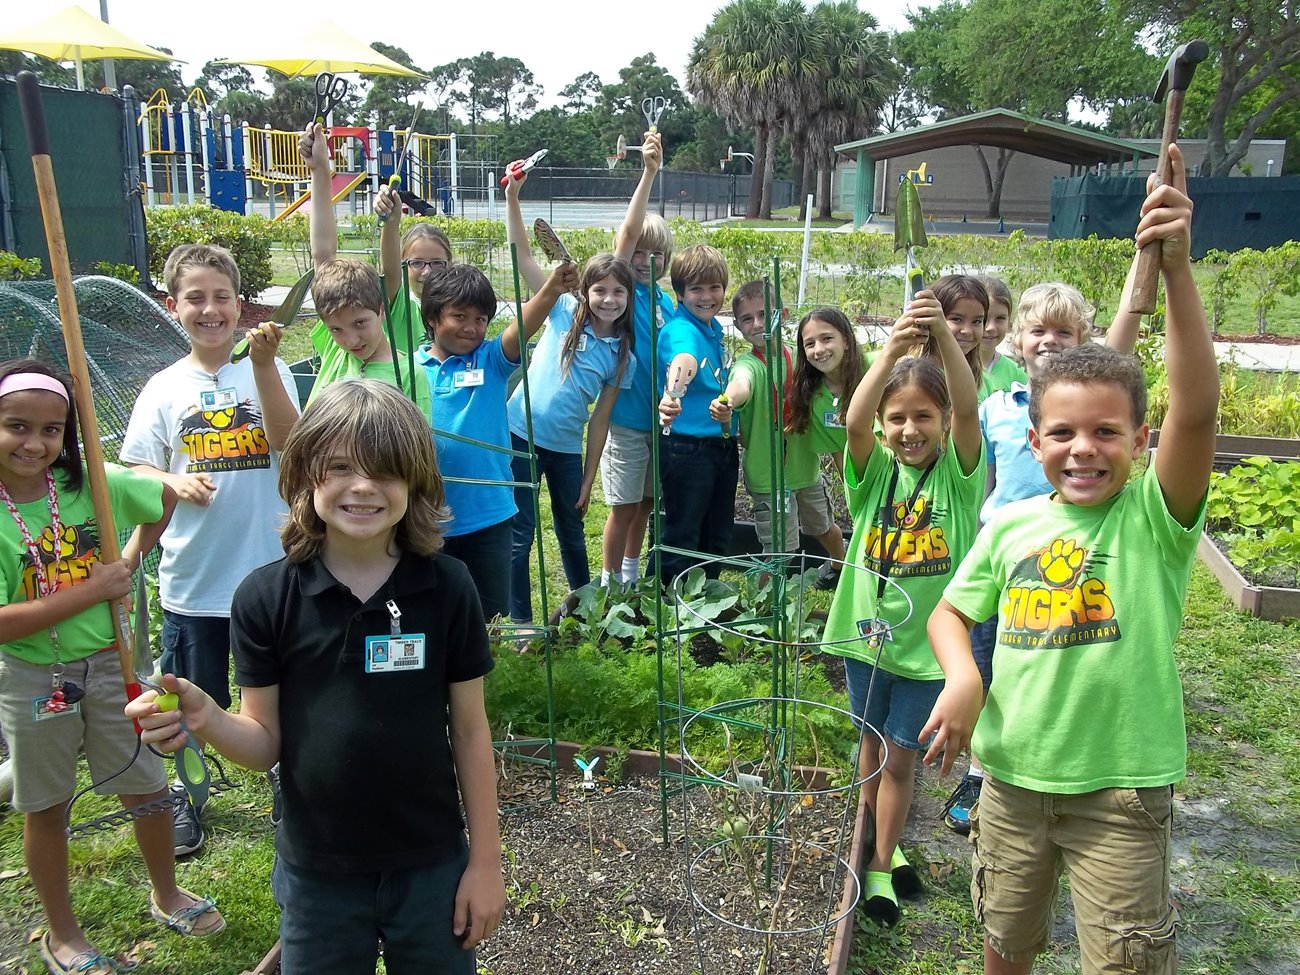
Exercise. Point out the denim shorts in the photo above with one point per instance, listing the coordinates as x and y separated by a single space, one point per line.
899 706
332 923
983 637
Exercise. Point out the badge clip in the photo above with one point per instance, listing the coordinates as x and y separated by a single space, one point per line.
394 618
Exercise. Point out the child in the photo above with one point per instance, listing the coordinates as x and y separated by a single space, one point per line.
56 640
1083 734
999 371
468 378
914 500
828 366
625 469
965 306
748 392
361 653
211 431
1051 318
348 295
698 459
583 357
425 249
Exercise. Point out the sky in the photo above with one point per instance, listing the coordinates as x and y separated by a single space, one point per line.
557 43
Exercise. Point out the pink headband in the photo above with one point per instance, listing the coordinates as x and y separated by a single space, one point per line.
17 382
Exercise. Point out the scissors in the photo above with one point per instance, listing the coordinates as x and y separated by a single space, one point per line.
519 167
330 90
653 108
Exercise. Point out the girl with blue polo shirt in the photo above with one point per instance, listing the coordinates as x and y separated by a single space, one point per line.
583 357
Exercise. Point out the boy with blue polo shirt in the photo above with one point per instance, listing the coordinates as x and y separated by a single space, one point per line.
1083 735
468 384
698 459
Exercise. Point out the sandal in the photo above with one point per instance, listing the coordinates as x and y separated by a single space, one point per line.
185 921
83 963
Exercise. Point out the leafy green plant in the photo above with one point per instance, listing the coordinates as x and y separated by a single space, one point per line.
15 268
248 239
123 272
1255 509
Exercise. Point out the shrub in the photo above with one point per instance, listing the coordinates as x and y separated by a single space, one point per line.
1255 509
247 238
15 268
123 272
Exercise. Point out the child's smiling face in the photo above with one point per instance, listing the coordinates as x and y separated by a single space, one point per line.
430 256
207 307
32 422
749 321
358 330
1086 440
966 322
703 300
607 300
995 327
823 344
358 508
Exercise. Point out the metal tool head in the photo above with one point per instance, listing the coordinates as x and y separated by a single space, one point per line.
284 315
1180 68
550 242
653 108
330 90
909 219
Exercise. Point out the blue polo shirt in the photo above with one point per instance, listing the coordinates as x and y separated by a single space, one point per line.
470 408
1004 421
638 405
686 333
560 400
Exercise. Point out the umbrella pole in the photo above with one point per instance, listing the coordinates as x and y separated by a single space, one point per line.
81 77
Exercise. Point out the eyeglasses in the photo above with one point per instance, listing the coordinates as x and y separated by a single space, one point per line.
416 264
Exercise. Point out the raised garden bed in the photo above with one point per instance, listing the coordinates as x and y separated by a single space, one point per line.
1266 602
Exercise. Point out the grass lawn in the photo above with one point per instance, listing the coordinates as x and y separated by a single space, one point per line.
1234 877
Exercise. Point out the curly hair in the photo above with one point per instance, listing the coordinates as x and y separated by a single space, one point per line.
1086 364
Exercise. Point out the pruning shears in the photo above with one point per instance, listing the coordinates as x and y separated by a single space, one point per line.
653 108
395 180
330 90
519 167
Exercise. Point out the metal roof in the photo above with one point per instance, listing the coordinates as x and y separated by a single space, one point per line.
1001 128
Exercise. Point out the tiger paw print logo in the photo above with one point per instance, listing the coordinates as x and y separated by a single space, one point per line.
914 519
219 419
1061 563
66 546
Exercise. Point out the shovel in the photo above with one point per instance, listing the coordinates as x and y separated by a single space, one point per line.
909 232
284 315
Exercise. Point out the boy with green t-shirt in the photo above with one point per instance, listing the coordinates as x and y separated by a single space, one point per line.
348 295
1082 736
803 487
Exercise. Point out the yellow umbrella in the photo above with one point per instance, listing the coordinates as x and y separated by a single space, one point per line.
74 35
323 47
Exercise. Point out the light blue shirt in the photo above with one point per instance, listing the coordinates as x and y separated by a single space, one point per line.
686 333
469 399
560 400
638 406
1004 422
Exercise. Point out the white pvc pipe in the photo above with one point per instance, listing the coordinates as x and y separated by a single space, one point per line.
205 126
492 196
807 243
187 135
148 158
455 176
248 166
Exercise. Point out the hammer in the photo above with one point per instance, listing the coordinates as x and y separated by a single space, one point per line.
1174 82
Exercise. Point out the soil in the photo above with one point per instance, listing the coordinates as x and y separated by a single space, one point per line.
1279 577
594 888
1255 337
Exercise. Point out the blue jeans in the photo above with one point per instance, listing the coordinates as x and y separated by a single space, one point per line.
698 477
332 923
983 637
198 649
563 473
486 555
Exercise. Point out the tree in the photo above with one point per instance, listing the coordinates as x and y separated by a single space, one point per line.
145 77
620 105
1255 45
50 72
573 139
741 67
493 84
582 92
387 100
219 80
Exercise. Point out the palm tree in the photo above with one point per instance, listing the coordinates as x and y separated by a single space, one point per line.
745 66
853 82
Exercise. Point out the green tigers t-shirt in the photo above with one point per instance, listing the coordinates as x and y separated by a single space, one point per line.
927 540
337 363
801 467
1000 376
1085 690
825 431
135 500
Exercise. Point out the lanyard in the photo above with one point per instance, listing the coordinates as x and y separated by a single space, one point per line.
887 556
46 584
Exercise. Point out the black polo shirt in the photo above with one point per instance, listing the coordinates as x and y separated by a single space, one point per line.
365 761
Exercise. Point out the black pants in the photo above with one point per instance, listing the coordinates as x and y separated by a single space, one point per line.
698 478
486 553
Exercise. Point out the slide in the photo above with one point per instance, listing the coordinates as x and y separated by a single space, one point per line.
341 184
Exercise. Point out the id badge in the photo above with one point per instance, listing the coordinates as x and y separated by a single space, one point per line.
466 378
582 342
875 632
41 709
395 653
831 418
219 399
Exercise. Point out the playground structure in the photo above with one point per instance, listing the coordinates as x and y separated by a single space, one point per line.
190 154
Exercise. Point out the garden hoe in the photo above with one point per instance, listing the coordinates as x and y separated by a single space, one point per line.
1172 87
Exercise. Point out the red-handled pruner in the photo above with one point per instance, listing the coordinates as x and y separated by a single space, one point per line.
520 166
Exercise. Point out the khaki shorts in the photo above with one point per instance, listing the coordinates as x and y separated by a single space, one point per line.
1113 844
626 476
44 753
813 506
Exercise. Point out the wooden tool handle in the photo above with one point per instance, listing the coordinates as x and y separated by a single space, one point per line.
29 99
1142 300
